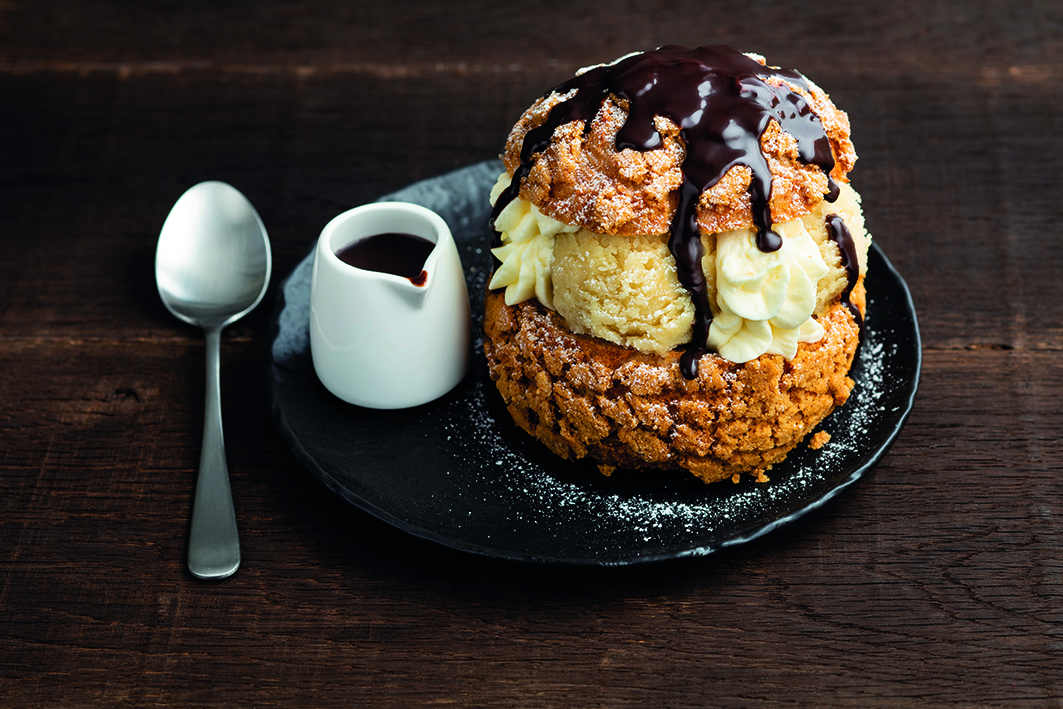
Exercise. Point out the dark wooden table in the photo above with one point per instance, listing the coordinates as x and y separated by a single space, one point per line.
937 579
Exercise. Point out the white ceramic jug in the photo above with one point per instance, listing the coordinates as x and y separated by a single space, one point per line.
380 340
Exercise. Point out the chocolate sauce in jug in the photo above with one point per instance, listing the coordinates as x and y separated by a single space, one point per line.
398 254
722 103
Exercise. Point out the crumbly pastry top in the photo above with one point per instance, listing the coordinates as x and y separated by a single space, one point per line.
582 179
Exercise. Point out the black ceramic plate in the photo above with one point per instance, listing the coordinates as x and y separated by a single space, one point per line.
457 470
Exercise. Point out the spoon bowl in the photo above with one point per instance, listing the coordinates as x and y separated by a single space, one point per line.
213 260
212 267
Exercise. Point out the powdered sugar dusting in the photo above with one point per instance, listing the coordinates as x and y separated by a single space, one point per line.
570 497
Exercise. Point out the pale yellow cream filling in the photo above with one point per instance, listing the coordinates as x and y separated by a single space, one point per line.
625 289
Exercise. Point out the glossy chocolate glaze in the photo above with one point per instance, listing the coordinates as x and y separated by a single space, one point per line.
839 233
722 102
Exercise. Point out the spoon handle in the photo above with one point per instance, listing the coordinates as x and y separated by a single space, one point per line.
214 544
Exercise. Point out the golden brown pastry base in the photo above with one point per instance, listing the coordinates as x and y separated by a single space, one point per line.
582 396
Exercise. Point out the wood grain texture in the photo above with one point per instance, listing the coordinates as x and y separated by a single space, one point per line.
935 581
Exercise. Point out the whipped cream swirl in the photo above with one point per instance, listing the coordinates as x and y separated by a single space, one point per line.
763 301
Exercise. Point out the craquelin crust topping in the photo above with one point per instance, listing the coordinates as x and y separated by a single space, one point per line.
582 179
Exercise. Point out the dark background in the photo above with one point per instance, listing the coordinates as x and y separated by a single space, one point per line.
936 580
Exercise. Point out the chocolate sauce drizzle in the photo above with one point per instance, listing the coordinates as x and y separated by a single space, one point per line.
722 103
839 233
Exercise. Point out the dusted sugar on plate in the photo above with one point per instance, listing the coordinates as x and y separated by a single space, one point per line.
680 264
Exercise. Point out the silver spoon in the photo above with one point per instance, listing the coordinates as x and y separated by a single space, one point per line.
212 267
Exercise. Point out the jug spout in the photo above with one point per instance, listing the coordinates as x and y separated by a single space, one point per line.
414 291
420 281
